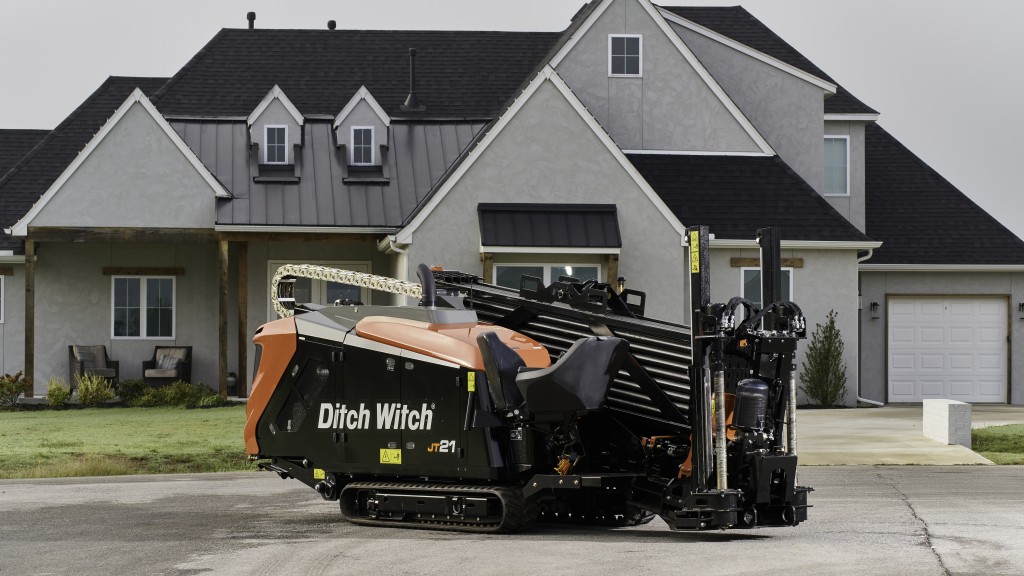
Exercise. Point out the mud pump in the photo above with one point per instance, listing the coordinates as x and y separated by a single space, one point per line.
486 408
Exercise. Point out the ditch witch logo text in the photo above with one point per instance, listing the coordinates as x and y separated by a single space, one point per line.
390 416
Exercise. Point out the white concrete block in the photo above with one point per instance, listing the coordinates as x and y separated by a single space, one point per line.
947 421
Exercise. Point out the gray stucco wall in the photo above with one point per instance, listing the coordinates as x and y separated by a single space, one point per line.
73 305
827 281
12 355
275 114
566 163
669 108
878 286
852 206
362 115
136 177
786 110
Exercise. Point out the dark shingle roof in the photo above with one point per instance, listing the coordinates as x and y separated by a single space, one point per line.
34 173
549 225
736 195
923 219
458 74
15 144
736 23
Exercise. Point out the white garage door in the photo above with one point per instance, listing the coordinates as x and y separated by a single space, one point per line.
947 348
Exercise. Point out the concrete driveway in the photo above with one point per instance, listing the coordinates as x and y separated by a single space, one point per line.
887 435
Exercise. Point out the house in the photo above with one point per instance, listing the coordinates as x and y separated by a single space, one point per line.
159 210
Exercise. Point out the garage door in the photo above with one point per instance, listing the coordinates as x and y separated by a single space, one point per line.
947 348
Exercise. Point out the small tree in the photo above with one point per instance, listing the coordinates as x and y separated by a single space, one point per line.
823 372
12 386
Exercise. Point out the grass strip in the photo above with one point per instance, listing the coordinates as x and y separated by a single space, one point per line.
1000 444
117 441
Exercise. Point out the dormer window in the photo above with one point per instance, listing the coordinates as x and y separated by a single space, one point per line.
625 54
276 145
362 145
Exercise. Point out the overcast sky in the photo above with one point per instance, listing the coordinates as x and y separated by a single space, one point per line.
946 75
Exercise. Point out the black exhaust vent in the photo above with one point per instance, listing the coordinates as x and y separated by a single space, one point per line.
412 102
251 17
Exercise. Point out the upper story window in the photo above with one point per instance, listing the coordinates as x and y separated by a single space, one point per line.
837 165
362 146
625 54
143 307
276 145
751 278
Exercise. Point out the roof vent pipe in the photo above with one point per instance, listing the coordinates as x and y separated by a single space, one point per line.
331 24
412 103
251 17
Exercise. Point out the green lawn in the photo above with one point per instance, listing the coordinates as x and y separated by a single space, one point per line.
114 441
1000 444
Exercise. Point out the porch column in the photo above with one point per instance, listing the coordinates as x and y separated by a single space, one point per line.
222 356
242 385
30 316
487 259
611 262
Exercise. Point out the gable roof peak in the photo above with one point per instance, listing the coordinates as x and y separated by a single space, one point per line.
137 97
275 94
362 95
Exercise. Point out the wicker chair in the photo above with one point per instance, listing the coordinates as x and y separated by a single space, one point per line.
91 360
168 365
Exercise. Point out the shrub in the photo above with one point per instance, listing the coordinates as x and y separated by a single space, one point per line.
131 390
94 390
150 397
212 401
180 393
823 372
12 386
57 392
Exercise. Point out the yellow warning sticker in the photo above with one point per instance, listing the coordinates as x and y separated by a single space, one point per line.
318 474
390 456
694 252
471 381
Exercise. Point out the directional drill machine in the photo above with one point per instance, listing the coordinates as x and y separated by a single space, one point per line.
486 408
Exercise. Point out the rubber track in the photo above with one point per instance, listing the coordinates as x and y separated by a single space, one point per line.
517 512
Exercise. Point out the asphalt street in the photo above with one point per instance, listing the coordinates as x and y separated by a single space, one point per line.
866 520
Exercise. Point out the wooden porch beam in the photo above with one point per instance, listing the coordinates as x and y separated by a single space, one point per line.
172 235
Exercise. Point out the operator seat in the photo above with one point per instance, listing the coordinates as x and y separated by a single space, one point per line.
578 382
501 364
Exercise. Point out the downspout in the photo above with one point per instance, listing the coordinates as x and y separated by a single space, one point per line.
871 252
389 245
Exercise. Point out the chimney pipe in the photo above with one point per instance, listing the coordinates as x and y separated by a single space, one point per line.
331 24
251 17
412 103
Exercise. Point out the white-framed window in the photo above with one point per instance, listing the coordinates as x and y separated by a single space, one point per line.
362 145
310 291
750 281
275 145
142 307
837 165
508 275
3 298
625 54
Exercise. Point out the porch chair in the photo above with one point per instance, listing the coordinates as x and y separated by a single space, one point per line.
168 365
91 360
